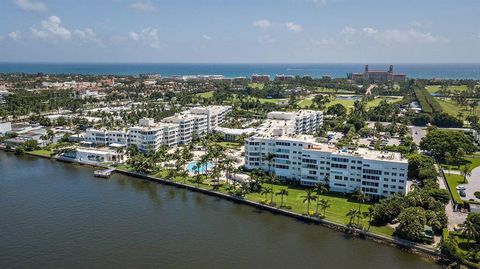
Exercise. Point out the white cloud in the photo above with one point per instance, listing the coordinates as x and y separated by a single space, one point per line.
14 35
394 36
143 6
411 36
348 30
207 37
420 24
52 29
318 2
88 35
293 26
31 5
262 24
369 30
321 42
134 36
148 35
266 39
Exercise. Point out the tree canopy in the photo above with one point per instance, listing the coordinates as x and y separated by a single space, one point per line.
438 142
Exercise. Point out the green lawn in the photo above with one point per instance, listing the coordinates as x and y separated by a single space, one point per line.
453 181
452 108
41 152
232 145
258 86
473 160
206 94
346 103
390 99
305 103
336 213
327 90
272 100
349 103
436 88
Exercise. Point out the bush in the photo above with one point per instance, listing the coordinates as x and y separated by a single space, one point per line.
477 194
449 247
446 120
412 221
20 150
426 101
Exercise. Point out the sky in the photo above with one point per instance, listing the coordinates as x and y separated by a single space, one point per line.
240 31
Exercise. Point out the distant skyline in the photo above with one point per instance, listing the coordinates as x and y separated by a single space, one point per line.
234 31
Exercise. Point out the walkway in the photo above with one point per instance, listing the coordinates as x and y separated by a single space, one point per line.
370 88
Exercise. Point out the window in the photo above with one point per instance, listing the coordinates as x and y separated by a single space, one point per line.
372 171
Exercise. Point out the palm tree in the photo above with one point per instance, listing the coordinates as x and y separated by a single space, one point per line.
197 180
282 193
352 214
270 157
369 214
272 179
204 162
320 188
360 196
308 198
228 164
324 204
466 172
187 154
469 231
266 191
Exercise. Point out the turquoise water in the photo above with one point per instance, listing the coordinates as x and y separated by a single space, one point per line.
448 71
191 167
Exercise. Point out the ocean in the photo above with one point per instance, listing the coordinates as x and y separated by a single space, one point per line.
445 71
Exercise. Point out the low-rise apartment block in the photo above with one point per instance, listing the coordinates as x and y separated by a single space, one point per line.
172 131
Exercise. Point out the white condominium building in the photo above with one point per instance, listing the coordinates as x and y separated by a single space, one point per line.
148 135
300 122
172 131
188 125
152 137
302 159
215 115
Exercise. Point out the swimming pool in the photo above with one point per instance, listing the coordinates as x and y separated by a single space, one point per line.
201 170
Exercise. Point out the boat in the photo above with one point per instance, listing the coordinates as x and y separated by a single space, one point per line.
103 173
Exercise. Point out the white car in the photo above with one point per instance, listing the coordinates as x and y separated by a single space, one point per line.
461 188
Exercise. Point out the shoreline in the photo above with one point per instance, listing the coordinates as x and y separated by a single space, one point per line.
405 245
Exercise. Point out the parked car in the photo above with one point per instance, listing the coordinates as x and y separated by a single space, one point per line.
462 193
461 188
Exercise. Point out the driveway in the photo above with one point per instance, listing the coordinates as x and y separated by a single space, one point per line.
473 184
454 217
418 133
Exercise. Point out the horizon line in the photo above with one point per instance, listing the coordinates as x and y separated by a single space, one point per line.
224 63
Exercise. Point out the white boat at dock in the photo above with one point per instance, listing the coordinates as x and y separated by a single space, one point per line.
103 173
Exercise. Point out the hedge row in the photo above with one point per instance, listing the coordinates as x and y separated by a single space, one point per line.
427 102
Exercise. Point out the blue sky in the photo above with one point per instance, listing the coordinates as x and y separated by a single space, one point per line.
252 31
